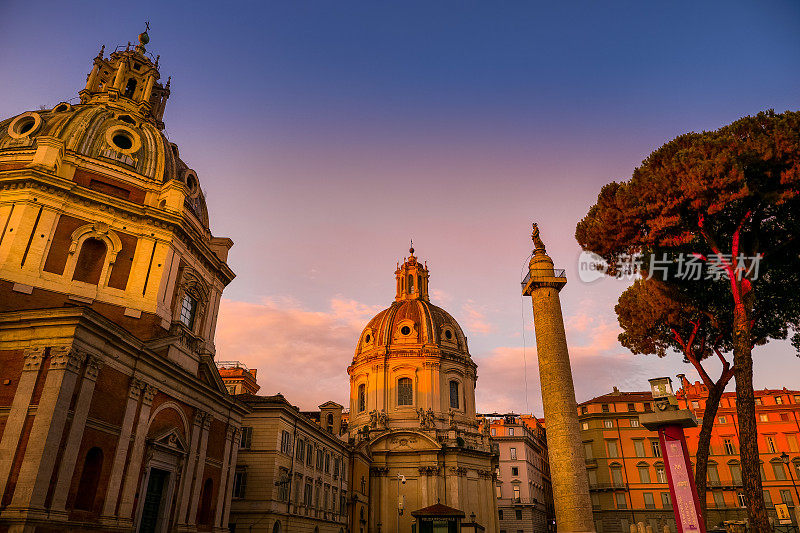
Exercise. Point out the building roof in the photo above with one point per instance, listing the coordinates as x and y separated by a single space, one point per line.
438 509
620 396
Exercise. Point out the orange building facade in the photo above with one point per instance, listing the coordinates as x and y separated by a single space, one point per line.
626 473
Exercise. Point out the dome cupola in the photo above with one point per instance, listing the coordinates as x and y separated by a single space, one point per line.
412 279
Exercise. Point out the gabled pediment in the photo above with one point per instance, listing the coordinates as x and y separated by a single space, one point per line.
171 440
208 374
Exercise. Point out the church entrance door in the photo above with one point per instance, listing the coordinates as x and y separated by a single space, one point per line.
153 501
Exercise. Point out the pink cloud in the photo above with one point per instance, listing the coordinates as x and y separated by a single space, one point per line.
300 353
475 319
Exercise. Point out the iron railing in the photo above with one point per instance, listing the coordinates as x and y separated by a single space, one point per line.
543 273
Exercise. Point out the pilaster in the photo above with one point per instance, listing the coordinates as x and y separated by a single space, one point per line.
70 455
191 464
48 428
19 411
228 472
137 452
121 453
199 471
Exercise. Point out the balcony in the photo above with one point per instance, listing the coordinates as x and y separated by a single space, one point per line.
544 274
614 485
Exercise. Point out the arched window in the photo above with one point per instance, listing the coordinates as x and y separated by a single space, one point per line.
204 513
277 527
362 397
330 422
405 392
410 283
454 402
90 261
90 477
130 88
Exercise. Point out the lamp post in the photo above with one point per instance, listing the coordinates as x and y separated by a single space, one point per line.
670 421
785 459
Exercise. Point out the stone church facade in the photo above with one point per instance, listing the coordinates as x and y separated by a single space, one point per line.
412 422
113 416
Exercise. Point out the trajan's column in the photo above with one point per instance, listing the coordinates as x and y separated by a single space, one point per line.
567 465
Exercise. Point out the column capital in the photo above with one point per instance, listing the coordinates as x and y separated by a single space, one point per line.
66 358
93 365
202 418
33 358
149 392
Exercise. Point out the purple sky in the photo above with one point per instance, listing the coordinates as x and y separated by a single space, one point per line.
326 135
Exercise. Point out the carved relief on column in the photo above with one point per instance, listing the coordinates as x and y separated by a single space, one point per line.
93 366
428 470
148 393
204 420
66 358
33 359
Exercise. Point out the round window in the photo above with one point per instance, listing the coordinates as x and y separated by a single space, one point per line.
448 334
24 125
122 141
405 330
62 107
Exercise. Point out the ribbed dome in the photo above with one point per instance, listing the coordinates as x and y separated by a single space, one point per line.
83 129
412 323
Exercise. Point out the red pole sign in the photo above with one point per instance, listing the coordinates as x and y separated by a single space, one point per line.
680 476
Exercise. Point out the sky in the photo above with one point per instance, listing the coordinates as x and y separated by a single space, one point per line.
326 135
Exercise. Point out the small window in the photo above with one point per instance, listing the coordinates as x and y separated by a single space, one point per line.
130 88
608 423
514 470
188 310
605 408
448 334
367 338
405 391
247 438
655 446
518 514
91 260
330 422
584 426
510 432
730 448
723 420
405 330
239 483
778 400
513 453
362 397
631 407
454 403
634 422
763 417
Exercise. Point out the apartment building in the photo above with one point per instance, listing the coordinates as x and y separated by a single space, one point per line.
292 473
627 478
523 490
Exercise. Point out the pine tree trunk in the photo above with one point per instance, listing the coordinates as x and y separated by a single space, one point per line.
748 434
704 441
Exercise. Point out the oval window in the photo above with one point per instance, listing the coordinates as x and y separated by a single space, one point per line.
24 125
122 141
448 334
405 330
367 338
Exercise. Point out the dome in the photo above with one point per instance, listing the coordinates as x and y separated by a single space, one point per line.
409 323
412 322
99 132
116 131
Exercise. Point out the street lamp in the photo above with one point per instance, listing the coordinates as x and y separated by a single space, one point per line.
785 459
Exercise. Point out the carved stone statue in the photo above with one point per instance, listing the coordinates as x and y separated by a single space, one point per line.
373 418
537 240
383 418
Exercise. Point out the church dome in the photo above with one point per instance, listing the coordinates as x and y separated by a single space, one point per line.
116 130
412 322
